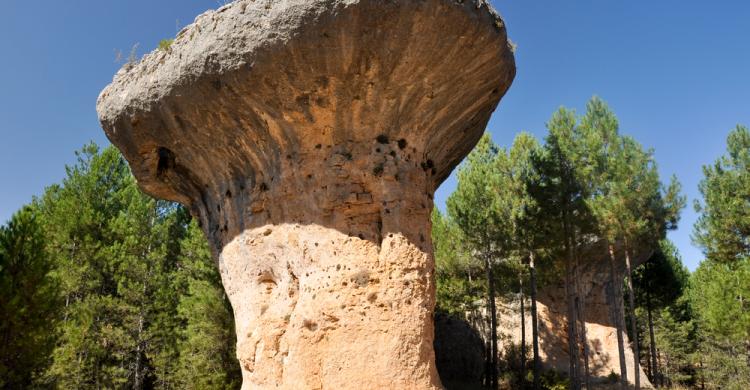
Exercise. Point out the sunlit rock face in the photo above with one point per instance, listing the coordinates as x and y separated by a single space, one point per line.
600 308
307 137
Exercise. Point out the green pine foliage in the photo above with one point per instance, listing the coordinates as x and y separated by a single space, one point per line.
666 327
110 288
586 184
28 301
459 275
720 287
718 295
205 362
724 226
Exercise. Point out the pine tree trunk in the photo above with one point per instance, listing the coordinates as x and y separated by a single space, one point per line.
493 325
654 369
581 315
523 330
138 381
616 305
571 295
572 334
661 373
488 342
534 322
487 364
633 320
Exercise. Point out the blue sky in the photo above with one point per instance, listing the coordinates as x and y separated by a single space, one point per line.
677 74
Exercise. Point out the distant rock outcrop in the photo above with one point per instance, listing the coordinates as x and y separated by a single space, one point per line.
308 137
599 299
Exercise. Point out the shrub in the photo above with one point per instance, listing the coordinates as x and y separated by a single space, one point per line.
166 44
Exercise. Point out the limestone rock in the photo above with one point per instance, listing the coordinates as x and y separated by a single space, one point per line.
599 300
308 136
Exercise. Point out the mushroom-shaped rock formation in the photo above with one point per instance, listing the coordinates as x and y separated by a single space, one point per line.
308 136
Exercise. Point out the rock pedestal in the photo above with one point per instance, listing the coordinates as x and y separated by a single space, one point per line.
307 137
335 285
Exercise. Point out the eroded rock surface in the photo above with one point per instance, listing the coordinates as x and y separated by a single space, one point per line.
308 136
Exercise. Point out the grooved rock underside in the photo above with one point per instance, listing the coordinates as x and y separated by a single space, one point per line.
307 137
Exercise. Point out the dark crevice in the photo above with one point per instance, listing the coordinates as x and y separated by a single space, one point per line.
379 229
166 161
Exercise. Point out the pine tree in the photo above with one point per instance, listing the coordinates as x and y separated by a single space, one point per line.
621 187
206 346
481 210
530 228
677 354
659 283
597 159
720 287
92 347
559 192
458 274
724 224
28 302
718 294
114 249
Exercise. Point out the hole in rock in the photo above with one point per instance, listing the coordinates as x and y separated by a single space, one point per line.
362 278
166 161
402 144
310 325
382 139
